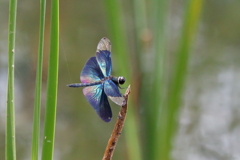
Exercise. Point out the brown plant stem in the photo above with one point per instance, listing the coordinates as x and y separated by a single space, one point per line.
112 142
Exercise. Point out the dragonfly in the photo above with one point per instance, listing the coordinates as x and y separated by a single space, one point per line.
99 83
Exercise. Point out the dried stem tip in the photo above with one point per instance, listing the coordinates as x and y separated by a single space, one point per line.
112 142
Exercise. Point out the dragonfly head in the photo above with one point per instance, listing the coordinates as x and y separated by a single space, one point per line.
121 80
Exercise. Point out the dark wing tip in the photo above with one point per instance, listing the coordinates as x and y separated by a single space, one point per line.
107 119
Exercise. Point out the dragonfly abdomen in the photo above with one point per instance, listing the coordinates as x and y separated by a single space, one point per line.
84 84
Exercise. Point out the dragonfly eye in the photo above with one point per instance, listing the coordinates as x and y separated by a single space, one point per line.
121 80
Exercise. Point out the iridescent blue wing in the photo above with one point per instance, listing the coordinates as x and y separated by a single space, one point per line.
103 55
98 100
91 71
112 91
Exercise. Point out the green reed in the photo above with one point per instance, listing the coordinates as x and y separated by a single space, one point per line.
52 85
38 87
10 118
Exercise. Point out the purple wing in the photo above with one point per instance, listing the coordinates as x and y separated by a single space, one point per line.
98 100
103 55
112 91
91 71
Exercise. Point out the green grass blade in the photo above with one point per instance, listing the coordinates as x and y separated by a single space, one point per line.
169 115
151 94
119 41
37 102
52 84
141 28
159 24
10 121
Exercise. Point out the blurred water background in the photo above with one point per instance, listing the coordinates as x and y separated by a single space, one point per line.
209 118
